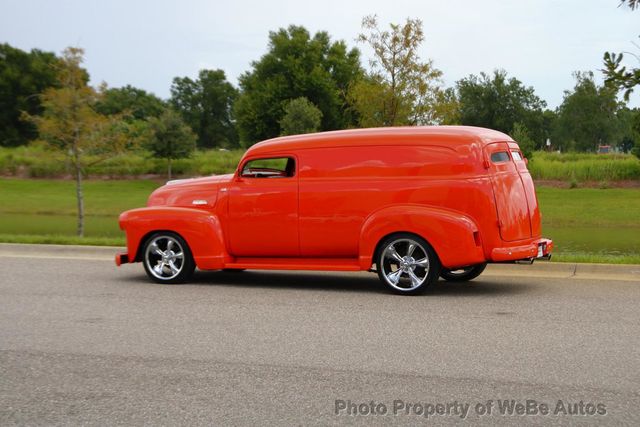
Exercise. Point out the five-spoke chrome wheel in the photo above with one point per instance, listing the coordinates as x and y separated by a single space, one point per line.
167 258
407 263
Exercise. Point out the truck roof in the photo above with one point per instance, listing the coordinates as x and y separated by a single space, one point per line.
411 135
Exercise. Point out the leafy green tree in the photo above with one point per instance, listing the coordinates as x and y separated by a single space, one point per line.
206 104
69 122
170 138
616 73
587 116
296 65
521 135
138 103
400 88
618 76
631 3
447 107
23 76
300 116
498 102
629 126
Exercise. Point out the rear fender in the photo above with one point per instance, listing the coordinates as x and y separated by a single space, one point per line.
201 230
453 235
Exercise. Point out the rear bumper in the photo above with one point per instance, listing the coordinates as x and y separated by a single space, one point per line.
539 248
122 259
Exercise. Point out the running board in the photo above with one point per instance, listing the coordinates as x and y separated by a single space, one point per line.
326 264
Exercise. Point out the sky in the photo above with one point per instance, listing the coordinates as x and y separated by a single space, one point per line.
146 43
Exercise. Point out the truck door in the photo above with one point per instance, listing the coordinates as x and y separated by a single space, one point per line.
263 209
509 192
527 181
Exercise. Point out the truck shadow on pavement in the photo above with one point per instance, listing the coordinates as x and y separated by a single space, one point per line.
346 282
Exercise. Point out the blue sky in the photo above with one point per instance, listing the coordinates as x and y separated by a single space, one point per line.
147 43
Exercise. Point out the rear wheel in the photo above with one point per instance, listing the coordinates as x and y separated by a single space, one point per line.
407 264
167 258
463 274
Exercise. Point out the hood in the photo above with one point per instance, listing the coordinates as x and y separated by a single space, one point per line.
201 180
189 193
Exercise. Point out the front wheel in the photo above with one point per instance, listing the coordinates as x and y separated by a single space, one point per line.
463 274
407 264
167 258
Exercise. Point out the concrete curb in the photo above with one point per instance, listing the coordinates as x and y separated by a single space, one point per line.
568 270
59 251
627 272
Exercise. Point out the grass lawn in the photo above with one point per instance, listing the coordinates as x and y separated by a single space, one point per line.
33 209
586 224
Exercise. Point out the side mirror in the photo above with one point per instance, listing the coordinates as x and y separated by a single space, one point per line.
526 161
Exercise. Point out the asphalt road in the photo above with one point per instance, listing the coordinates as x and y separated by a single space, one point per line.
83 342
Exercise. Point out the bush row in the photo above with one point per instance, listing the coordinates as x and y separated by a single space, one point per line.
584 167
38 162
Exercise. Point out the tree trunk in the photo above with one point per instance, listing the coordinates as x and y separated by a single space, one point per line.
80 198
169 168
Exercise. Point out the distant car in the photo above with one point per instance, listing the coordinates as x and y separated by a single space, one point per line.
411 203
604 149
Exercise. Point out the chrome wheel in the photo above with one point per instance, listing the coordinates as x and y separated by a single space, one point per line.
164 257
404 264
463 274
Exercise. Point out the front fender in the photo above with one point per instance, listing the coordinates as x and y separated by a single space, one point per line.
453 235
201 230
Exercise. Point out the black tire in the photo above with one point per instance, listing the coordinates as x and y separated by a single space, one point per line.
463 274
175 265
415 274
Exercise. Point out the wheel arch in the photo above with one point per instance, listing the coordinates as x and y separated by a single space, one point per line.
452 235
201 230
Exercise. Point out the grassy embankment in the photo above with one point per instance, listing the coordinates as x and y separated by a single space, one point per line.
587 225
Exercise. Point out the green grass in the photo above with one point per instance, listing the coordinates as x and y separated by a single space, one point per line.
48 207
587 225
584 167
592 225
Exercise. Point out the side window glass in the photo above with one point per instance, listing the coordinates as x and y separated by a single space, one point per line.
281 167
500 157
516 155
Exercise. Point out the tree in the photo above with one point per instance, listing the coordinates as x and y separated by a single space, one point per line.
587 116
296 65
447 107
616 74
400 89
206 104
521 135
631 3
23 76
498 102
300 116
69 122
138 103
629 125
170 138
